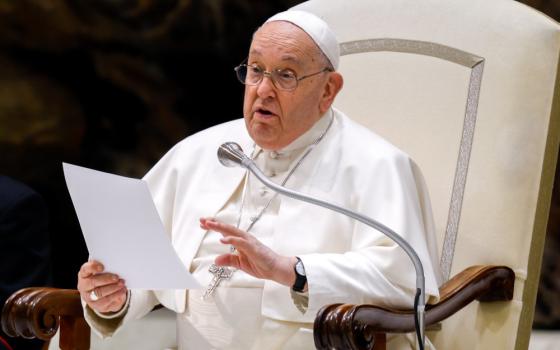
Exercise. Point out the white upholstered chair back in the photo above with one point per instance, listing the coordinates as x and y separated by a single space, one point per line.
467 88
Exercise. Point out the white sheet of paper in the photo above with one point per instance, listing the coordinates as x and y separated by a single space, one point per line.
123 230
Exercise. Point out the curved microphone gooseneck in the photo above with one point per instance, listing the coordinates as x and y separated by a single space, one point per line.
230 154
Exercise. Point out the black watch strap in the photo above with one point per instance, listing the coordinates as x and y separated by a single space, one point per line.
301 278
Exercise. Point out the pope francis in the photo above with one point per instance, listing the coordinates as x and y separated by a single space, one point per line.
270 262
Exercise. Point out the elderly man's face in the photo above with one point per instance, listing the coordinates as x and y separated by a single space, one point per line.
275 118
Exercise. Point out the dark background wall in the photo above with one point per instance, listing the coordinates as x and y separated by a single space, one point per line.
113 84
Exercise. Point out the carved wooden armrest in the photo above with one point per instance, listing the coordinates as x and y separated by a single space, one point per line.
346 326
39 312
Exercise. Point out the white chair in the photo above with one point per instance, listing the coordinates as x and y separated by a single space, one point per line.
469 89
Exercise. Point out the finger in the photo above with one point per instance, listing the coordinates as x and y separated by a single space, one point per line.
118 302
90 268
231 260
224 229
240 244
103 301
108 303
89 282
96 281
204 221
109 289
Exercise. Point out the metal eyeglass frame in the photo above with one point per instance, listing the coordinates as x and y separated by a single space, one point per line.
272 76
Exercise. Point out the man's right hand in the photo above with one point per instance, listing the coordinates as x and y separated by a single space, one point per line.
102 291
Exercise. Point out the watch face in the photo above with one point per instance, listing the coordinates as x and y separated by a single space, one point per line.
299 268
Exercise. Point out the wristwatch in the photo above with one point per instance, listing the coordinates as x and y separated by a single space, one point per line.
301 278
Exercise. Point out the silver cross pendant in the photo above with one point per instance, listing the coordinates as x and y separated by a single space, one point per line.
220 273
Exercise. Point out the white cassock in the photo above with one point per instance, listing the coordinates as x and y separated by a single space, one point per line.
345 261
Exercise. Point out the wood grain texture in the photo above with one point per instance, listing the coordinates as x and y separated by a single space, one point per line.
39 312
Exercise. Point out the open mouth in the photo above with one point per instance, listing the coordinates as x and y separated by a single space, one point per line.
264 112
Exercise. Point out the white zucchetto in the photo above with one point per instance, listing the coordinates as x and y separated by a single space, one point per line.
316 28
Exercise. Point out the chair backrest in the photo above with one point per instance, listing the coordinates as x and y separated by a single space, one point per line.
469 88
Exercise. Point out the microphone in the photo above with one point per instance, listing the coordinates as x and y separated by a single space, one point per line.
230 154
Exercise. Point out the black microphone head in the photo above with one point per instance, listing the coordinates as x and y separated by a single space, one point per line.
230 154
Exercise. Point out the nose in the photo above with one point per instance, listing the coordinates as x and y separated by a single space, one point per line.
266 86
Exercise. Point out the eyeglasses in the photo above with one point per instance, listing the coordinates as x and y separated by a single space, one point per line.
283 79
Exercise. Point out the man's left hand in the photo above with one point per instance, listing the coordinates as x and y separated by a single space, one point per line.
252 256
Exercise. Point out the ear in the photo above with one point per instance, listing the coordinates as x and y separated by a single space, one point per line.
332 87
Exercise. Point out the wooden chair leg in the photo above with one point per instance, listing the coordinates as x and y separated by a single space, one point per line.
380 341
74 333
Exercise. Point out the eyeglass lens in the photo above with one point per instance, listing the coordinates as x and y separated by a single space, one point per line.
282 79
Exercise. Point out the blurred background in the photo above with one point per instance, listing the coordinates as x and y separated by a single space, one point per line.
113 84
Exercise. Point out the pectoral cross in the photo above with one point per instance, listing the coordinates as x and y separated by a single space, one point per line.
220 273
